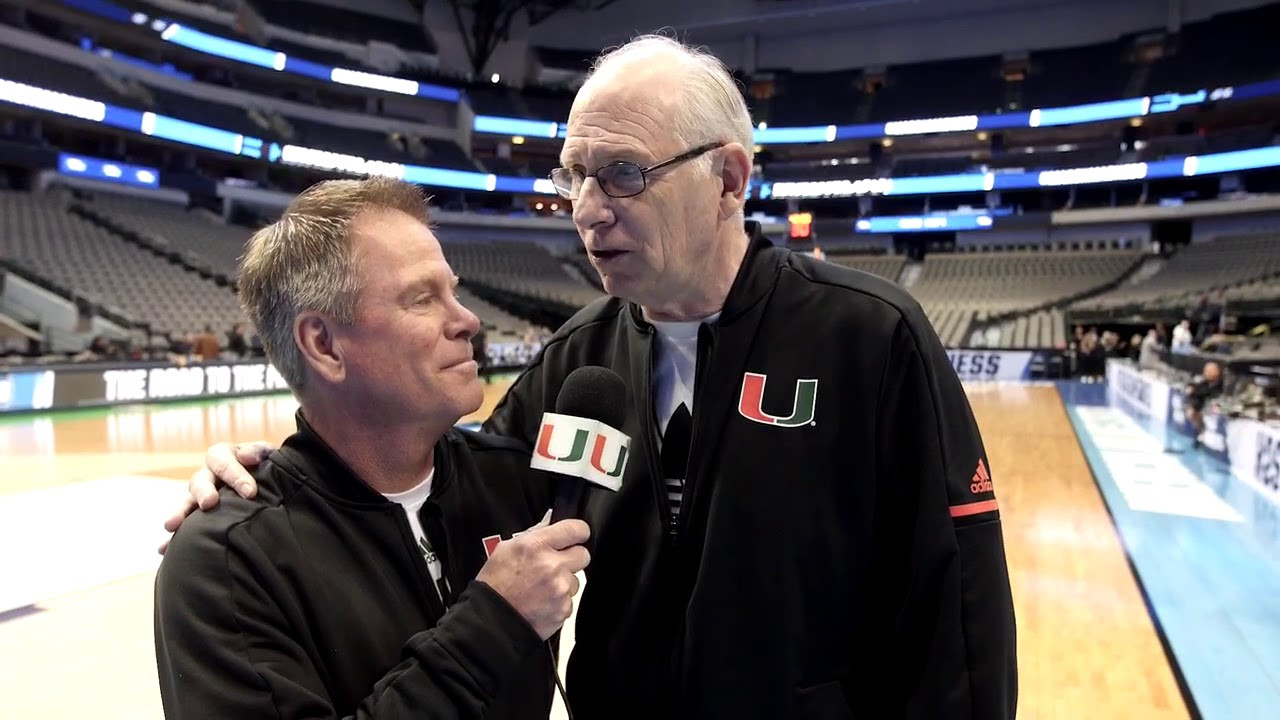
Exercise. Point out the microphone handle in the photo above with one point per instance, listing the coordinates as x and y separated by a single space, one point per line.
568 502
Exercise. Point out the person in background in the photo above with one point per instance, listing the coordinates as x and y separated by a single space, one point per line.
359 580
206 347
1149 354
808 527
237 345
1182 338
1197 395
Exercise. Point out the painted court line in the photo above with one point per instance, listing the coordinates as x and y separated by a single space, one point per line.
1149 479
62 539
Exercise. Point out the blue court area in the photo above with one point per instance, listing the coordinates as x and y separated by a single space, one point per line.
1204 543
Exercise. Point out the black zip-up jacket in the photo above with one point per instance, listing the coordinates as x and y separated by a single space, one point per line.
839 552
313 600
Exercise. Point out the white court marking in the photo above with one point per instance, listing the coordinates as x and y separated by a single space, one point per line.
1150 479
54 541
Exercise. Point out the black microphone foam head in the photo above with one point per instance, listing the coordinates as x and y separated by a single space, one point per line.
594 392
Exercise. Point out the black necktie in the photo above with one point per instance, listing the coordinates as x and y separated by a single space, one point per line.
675 457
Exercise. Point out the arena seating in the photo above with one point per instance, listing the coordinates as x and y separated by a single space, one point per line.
1012 281
341 24
503 324
40 235
1197 269
887 267
186 231
73 79
1263 289
525 269
1039 329
965 292
1010 299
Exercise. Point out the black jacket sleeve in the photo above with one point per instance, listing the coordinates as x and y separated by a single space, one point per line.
225 649
954 634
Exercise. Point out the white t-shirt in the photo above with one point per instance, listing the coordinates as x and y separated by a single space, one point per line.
412 501
674 371
675 367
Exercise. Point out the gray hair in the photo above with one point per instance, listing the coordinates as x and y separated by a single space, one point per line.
304 262
711 107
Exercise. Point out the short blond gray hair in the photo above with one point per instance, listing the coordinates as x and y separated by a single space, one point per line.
304 262
711 107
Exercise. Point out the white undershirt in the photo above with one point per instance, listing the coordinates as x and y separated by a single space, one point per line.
412 501
675 366
674 371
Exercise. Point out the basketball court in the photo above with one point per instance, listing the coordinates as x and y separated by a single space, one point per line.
84 494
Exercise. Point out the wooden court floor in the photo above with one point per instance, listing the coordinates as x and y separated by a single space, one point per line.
1087 645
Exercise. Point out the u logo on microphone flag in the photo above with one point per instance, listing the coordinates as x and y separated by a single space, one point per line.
751 402
562 448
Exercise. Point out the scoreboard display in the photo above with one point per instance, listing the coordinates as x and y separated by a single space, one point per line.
801 224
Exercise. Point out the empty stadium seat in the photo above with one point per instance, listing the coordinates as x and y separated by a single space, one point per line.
39 234
1197 269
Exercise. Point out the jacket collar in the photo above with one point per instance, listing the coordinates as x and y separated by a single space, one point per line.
321 467
754 279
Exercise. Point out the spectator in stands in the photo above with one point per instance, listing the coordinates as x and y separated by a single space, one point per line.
247 619
1149 355
101 349
1198 394
855 566
1133 349
1182 338
1090 357
206 347
237 345
181 345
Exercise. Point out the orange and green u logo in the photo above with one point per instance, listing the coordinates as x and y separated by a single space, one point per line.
751 402
579 450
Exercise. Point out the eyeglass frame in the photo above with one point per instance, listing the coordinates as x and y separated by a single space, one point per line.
644 171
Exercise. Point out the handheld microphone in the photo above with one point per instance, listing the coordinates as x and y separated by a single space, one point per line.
581 441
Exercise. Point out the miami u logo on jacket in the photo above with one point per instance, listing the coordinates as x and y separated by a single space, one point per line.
751 402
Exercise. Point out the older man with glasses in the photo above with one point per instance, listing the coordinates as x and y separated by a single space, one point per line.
808 528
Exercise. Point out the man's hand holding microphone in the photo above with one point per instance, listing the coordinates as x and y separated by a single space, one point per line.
535 572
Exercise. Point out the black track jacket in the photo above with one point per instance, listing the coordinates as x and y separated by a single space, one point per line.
839 552
313 600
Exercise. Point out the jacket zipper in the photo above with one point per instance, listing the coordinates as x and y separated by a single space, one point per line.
437 593
679 525
650 426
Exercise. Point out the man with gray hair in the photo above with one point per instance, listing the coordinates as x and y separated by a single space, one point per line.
808 527
358 582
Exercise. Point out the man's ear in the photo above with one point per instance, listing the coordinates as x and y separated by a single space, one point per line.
734 170
314 335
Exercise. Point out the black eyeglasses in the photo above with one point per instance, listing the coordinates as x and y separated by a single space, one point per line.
618 179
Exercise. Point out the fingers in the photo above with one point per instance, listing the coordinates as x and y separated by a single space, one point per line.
563 534
203 489
575 559
171 525
251 454
224 462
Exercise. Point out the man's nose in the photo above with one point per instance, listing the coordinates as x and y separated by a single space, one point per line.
593 207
